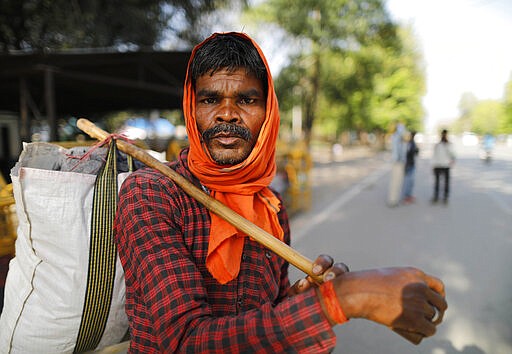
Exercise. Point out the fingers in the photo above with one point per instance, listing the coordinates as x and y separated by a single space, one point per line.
436 317
300 286
435 284
439 304
342 266
431 312
433 308
436 298
414 338
421 323
336 270
323 265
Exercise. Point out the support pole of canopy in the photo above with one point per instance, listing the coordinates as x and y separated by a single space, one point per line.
24 124
49 97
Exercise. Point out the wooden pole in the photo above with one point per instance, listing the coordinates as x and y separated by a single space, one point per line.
242 224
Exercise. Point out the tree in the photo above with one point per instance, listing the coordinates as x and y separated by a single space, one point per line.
399 85
467 105
506 125
59 24
486 117
330 32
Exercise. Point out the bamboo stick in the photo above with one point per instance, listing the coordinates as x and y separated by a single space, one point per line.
244 225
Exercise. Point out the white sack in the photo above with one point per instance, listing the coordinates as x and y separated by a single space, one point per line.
46 282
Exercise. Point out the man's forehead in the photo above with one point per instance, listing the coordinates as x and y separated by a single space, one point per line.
218 79
230 70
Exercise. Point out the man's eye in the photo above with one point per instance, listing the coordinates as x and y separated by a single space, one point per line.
247 100
209 100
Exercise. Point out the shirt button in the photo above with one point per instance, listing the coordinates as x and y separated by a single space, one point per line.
244 256
268 255
240 302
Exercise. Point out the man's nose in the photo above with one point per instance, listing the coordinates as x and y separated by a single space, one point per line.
228 111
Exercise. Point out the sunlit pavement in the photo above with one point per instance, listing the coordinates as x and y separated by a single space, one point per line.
467 243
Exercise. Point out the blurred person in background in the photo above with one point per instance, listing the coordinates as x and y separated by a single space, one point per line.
397 169
411 152
488 142
443 159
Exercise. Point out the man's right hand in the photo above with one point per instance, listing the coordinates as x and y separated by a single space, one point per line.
404 299
323 266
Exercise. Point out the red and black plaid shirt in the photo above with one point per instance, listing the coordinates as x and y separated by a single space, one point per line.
175 305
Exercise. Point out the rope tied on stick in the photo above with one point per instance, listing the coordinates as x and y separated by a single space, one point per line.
105 141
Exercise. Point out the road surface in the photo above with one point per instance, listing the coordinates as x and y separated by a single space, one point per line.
467 243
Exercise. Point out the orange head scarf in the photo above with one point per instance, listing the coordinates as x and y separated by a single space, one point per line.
242 187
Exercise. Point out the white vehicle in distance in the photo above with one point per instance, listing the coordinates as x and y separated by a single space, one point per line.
469 139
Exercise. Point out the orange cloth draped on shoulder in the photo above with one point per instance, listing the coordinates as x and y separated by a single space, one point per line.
242 187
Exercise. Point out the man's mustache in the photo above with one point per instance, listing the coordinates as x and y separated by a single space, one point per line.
230 129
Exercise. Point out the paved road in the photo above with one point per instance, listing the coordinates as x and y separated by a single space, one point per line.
467 243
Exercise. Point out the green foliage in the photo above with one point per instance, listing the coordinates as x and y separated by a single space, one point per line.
506 125
352 68
59 24
399 86
332 23
485 116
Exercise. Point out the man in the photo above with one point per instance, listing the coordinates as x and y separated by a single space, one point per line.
196 284
410 169
442 159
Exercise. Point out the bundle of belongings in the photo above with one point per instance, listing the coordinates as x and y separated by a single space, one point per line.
65 290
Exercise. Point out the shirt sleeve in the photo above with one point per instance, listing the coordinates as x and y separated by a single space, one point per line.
167 301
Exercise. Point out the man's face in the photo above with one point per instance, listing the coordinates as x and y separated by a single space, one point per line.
230 110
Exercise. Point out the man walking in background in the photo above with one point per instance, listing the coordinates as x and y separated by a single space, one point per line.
397 170
442 159
410 169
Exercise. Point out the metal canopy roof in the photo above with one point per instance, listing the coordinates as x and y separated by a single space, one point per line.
86 84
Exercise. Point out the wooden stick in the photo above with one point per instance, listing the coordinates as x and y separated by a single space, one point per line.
242 224
258 234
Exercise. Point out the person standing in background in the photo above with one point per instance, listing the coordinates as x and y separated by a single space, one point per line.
443 158
397 170
410 169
